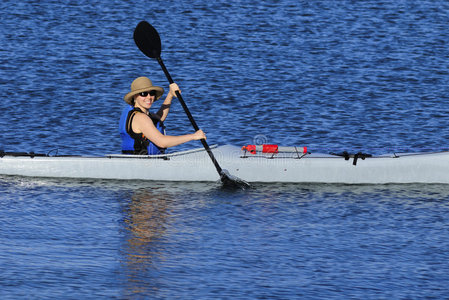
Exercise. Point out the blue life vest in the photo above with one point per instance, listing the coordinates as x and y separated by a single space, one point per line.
133 143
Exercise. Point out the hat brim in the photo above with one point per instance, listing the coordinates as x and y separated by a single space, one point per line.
159 92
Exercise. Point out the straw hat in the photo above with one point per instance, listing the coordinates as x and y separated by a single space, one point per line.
142 84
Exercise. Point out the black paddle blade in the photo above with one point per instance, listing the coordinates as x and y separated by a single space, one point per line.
147 39
231 181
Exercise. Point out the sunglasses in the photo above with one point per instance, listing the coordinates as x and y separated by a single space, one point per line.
151 93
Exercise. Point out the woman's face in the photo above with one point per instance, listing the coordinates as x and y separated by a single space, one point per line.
145 99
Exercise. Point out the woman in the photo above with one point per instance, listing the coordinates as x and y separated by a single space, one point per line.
143 132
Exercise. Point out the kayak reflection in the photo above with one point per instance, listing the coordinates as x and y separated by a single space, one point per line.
145 222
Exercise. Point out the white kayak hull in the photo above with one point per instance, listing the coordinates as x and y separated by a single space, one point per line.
197 166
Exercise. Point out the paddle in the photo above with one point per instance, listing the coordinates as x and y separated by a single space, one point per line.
148 41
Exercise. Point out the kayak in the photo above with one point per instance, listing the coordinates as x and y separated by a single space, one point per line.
264 163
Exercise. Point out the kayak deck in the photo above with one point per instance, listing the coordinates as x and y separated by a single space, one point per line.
195 165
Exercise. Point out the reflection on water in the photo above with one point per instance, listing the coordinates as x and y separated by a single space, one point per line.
194 240
150 234
145 221
177 233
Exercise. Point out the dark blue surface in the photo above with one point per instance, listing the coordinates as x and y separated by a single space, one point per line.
365 76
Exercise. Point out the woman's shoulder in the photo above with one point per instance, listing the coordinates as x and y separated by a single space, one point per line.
140 116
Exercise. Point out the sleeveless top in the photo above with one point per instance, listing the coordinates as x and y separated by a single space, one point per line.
137 143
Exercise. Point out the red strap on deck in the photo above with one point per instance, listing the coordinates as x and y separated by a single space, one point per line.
270 149
253 149
250 148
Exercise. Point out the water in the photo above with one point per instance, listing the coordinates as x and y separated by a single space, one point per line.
365 76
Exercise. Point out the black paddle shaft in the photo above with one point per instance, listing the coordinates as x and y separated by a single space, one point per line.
189 115
149 42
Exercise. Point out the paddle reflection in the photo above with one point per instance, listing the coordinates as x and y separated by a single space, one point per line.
146 224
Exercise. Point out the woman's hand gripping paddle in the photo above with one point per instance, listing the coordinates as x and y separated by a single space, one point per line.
149 42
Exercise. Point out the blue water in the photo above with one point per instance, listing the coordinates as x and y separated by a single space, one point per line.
365 76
